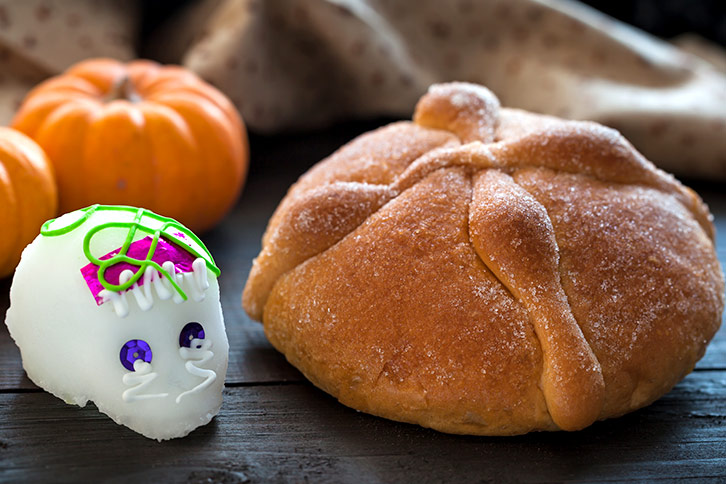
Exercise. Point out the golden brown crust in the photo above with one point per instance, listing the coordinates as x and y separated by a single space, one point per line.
489 271
371 161
512 234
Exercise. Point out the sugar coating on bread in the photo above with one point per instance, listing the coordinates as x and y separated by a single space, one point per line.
489 271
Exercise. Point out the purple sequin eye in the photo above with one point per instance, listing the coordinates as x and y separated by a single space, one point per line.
189 332
135 349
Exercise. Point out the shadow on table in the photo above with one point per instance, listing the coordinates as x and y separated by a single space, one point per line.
673 438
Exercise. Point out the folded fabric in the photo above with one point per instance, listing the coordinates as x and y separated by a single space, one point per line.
40 38
293 64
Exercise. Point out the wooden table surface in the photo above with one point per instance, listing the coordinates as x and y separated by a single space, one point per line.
275 426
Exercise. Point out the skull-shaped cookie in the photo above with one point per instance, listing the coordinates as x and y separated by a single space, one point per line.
120 306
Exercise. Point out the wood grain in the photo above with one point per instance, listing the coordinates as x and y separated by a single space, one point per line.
297 432
275 426
715 197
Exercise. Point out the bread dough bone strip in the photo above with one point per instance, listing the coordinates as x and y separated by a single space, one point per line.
501 213
472 113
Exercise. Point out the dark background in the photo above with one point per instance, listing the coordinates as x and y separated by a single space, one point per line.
664 18
670 18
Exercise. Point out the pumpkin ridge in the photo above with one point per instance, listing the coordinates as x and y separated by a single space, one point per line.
118 133
215 163
9 206
67 85
31 118
66 126
28 194
209 131
171 140
100 72
22 173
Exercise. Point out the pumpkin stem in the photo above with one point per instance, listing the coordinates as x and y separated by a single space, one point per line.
123 88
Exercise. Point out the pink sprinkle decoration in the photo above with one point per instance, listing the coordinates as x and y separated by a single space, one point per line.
165 251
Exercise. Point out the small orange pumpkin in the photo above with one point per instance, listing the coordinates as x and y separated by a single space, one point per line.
139 134
27 195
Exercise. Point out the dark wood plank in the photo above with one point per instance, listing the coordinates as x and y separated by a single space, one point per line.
715 357
715 196
12 375
296 432
235 243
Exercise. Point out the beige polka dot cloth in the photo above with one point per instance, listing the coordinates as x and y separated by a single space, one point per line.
40 38
290 64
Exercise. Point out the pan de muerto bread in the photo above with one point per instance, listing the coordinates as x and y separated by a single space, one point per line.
489 271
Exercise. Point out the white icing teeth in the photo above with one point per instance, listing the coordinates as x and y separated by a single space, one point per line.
198 353
141 377
199 281
118 299
143 293
194 283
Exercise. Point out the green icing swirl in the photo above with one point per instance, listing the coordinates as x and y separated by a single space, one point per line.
133 227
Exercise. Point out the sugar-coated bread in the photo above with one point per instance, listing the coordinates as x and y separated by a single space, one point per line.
489 271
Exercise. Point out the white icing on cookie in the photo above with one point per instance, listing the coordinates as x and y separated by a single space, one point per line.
198 353
141 377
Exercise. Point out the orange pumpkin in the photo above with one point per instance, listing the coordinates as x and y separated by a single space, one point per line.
27 195
139 134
